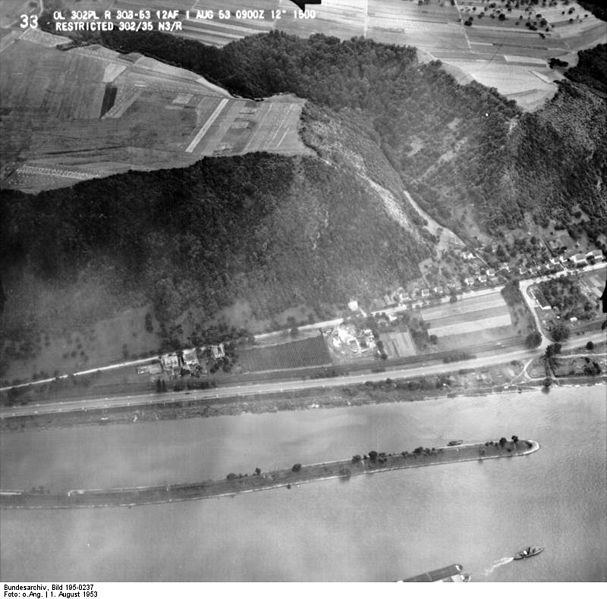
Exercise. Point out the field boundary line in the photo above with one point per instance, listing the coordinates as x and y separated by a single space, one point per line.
203 130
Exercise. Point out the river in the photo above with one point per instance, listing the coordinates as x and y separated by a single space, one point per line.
381 527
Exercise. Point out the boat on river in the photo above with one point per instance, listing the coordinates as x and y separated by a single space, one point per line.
529 552
454 443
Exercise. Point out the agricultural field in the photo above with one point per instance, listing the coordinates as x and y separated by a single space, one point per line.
495 47
107 341
294 354
468 322
398 344
592 283
86 112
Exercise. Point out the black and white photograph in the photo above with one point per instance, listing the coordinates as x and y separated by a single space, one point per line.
298 292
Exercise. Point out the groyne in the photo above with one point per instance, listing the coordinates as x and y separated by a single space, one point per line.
374 462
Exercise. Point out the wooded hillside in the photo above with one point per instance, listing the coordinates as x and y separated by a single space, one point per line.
465 152
276 231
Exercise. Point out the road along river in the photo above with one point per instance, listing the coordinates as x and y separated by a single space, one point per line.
383 527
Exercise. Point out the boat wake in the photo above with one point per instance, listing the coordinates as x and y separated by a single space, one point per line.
500 562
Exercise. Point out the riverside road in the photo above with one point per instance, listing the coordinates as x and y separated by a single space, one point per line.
235 391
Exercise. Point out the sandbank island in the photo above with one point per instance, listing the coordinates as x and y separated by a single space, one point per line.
371 463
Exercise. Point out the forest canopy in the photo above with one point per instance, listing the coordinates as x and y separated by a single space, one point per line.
465 152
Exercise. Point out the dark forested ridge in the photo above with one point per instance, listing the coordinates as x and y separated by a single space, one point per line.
282 231
275 230
467 154
591 69
596 7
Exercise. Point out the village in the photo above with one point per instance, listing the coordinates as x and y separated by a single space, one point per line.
444 317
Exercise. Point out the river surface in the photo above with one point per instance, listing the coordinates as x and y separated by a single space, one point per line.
379 527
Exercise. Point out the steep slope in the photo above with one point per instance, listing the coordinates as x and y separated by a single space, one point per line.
271 230
470 158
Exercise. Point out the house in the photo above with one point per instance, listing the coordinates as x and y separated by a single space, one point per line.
596 255
482 278
578 260
425 293
217 351
469 281
353 305
540 299
170 362
190 358
505 267
490 273
561 242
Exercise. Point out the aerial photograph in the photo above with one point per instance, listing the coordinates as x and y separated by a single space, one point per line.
302 292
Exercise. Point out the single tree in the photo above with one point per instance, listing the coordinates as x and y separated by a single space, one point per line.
533 340
560 332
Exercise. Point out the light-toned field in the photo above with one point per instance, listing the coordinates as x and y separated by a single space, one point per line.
480 337
474 315
90 112
593 284
492 300
471 326
501 54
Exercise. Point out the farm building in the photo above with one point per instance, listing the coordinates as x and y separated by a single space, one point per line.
578 260
561 242
595 255
170 363
217 351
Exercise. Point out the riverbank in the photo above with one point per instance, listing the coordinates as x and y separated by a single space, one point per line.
468 382
374 462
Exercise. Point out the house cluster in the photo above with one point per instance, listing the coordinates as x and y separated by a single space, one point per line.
347 340
573 260
192 361
592 257
480 274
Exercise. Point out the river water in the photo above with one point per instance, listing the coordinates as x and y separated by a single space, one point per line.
380 527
